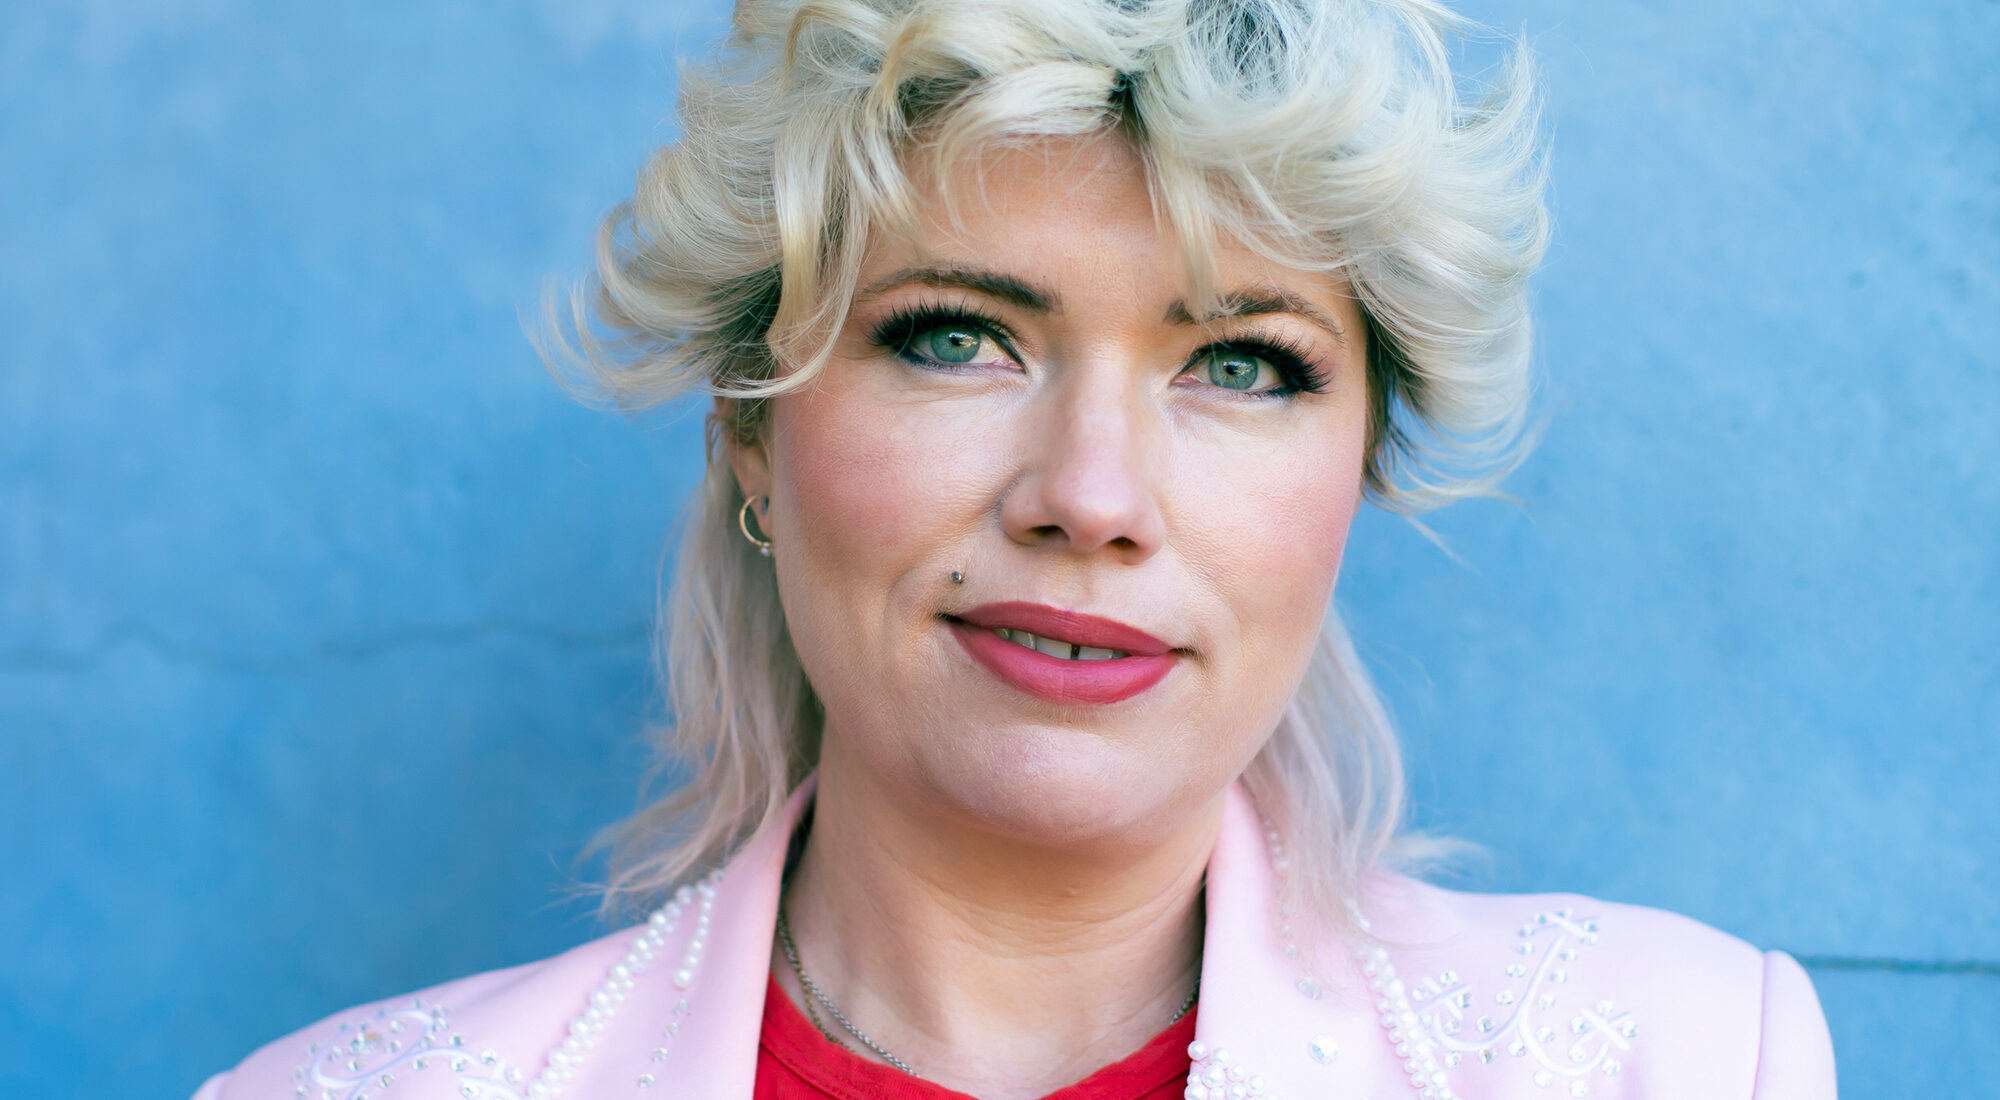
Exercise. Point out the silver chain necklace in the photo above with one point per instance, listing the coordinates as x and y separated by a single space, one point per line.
812 989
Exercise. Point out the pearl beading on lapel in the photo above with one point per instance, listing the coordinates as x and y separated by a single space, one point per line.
1214 1075
568 1058
1307 985
414 1038
1414 1045
376 1052
1425 1024
1424 1032
659 926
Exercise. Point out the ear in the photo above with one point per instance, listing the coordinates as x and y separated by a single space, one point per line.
751 462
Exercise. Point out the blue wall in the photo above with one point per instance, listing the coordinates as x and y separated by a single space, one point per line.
322 612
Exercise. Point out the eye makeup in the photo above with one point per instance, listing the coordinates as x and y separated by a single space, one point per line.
901 331
898 332
1299 371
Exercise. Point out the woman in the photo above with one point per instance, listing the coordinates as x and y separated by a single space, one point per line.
1055 344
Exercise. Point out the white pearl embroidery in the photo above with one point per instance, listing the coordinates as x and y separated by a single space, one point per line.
1307 985
1214 1075
373 1051
1415 1046
415 1038
1429 1029
659 926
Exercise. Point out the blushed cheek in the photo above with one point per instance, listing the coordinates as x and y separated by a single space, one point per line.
865 483
847 493
1292 526
837 464
1327 512
1311 534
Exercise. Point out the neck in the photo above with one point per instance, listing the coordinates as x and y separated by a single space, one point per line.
988 963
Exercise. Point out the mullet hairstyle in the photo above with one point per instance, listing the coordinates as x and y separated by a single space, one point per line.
1328 135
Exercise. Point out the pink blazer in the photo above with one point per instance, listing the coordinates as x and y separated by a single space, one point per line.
1477 996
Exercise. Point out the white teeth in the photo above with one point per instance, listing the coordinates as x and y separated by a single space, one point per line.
1018 637
1068 651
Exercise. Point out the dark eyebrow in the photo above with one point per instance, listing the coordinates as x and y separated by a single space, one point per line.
1006 288
1252 303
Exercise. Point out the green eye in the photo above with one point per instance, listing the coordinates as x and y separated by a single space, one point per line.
950 343
1234 370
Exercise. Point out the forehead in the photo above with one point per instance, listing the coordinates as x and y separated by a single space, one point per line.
1066 211
1070 229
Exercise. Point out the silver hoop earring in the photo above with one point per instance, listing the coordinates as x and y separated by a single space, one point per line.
743 523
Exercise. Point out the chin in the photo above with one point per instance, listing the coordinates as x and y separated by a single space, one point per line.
1064 787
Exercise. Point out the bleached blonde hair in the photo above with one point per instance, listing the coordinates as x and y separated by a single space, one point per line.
1327 134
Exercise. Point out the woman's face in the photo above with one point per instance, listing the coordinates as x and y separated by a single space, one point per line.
1022 397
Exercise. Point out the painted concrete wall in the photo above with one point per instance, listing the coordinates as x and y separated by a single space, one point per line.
323 613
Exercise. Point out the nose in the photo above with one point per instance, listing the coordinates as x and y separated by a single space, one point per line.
1091 482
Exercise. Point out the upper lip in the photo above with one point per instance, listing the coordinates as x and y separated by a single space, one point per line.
1069 626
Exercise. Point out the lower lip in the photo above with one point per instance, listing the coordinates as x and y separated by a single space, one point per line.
1056 680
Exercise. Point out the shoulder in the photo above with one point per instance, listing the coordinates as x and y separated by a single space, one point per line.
478 1036
1573 993
675 1001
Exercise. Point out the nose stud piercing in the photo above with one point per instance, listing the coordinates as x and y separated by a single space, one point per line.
743 523
957 577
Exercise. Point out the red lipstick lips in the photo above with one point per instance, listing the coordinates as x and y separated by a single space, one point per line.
1109 679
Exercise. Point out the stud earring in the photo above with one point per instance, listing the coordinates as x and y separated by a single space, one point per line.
743 523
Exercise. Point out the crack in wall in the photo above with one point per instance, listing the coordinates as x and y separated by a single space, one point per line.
1980 968
145 636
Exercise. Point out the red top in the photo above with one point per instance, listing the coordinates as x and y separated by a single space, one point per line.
796 1062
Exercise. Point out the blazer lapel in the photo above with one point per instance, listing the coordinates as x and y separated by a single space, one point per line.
716 1020
1266 1028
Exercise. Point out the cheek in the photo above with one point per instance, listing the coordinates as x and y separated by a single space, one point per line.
868 510
1313 518
1270 534
847 490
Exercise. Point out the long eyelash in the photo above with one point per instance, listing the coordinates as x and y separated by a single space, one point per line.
896 331
1293 359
